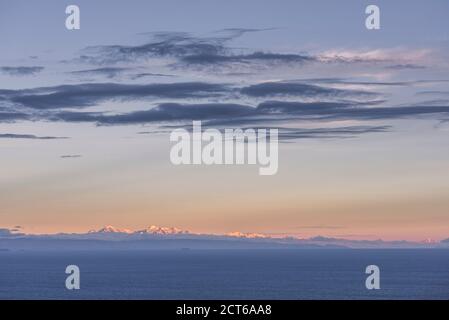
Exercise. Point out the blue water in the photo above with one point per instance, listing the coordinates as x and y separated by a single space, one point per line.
226 274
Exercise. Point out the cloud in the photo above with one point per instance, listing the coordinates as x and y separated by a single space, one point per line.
108 72
149 74
161 113
336 110
263 57
407 56
28 136
232 114
89 94
214 50
21 70
47 99
286 133
344 81
405 66
434 102
434 92
302 108
189 50
70 156
329 133
300 89
163 44
13 116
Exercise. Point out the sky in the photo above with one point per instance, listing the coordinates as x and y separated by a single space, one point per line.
85 116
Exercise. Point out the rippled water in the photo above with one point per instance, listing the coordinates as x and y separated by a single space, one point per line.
226 274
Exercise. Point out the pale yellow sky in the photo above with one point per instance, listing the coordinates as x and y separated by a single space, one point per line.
391 187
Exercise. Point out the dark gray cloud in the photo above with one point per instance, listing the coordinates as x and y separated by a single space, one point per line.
163 44
89 94
149 74
21 70
332 104
405 66
223 114
434 92
108 72
434 102
355 82
69 116
329 133
268 89
265 57
162 113
13 116
28 136
286 133
70 156
216 113
189 50
336 110
302 108
343 81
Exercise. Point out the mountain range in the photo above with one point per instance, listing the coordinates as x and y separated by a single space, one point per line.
155 237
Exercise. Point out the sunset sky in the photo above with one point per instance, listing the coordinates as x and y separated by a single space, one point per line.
85 116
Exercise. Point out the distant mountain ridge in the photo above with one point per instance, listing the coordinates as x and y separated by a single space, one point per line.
155 237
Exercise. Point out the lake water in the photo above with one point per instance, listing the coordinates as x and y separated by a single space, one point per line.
226 274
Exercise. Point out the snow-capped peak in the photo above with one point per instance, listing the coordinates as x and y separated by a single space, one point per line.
162 230
110 229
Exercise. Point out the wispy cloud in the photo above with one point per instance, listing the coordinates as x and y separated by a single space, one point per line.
220 114
189 50
13 116
406 56
89 94
270 89
70 156
161 113
405 66
108 72
21 70
335 110
150 74
262 57
28 136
